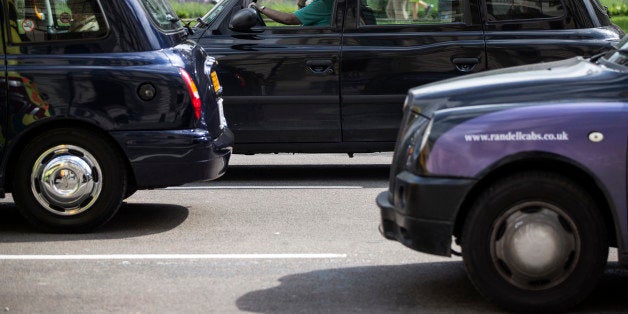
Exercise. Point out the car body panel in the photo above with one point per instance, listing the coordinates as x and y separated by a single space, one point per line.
275 96
494 139
167 158
105 95
548 39
492 136
380 63
3 75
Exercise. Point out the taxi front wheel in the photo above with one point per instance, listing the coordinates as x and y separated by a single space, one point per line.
535 241
69 180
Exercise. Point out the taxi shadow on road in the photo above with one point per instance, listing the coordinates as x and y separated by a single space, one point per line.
132 220
414 288
306 174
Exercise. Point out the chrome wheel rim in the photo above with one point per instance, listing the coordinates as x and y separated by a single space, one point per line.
66 180
535 246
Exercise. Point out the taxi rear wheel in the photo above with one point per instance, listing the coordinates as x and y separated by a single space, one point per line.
69 180
534 242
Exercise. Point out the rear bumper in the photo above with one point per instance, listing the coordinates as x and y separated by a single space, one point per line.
175 157
421 212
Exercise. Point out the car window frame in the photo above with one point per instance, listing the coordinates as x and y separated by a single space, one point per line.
3 43
2 35
105 23
608 59
221 7
484 8
4 87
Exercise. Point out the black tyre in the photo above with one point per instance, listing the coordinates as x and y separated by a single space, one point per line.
69 180
535 242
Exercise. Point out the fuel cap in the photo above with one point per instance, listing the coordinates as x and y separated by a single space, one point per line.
146 91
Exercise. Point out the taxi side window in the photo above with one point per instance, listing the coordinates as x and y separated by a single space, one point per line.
162 15
33 21
511 10
399 12
312 13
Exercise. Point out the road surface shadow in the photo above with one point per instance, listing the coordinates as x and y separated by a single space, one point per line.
415 288
610 294
132 220
304 175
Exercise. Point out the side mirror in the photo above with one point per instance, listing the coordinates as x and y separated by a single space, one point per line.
243 20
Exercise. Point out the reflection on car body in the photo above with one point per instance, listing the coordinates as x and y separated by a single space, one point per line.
338 88
527 168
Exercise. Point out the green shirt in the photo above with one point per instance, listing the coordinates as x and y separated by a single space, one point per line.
317 13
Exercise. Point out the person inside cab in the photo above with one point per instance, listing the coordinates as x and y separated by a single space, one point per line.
317 13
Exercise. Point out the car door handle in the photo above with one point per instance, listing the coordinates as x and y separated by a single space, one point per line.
465 64
320 66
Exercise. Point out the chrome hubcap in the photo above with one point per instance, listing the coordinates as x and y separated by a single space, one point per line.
535 246
66 180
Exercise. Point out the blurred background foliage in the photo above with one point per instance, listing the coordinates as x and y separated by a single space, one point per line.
616 7
191 9
618 10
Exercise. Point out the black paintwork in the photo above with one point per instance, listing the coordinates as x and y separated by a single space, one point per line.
93 84
340 88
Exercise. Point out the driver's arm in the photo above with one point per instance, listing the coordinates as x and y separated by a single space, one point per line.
278 16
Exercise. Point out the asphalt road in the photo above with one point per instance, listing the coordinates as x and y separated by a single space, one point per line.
277 234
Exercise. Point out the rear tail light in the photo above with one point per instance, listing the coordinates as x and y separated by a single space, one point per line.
193 91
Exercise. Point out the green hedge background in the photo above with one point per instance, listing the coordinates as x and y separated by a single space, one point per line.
191 10
619 12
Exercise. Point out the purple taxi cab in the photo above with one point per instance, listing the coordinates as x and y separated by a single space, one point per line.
524 170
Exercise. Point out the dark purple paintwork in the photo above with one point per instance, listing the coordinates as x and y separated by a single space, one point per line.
526 168
571 99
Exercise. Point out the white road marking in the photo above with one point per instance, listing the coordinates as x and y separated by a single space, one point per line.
260 187
168 256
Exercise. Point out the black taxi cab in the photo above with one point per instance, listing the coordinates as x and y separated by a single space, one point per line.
339 87
99 99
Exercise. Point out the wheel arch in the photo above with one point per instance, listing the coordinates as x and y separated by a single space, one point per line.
19 143
543 162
